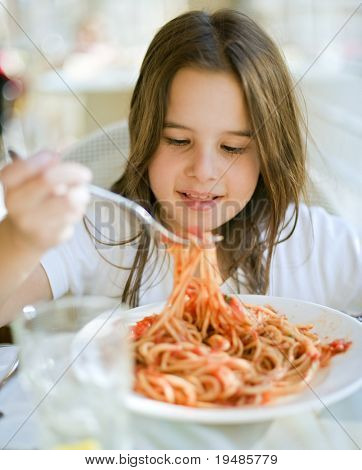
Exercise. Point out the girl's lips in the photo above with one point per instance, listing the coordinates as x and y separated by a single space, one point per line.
198 204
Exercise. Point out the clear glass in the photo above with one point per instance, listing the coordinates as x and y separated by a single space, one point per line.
74 358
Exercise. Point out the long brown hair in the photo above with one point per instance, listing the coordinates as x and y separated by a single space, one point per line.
223 41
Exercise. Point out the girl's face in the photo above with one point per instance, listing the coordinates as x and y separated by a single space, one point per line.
206 167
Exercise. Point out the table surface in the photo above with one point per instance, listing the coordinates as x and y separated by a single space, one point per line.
337 427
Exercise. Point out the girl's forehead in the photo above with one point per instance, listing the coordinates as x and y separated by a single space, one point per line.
198 96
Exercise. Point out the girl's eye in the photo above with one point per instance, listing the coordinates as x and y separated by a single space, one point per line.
178 142
233 150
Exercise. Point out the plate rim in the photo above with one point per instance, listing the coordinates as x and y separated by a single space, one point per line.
10 365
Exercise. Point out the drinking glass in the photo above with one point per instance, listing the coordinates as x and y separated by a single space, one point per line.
74 359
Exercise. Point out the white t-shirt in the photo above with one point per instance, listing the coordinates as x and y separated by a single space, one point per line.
321 262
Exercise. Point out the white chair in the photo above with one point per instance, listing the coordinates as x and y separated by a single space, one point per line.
105 152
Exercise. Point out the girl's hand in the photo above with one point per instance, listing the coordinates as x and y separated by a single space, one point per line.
44 198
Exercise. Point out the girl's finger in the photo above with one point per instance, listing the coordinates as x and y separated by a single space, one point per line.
67 174
58 215
32 194
56 183
58 212
19 171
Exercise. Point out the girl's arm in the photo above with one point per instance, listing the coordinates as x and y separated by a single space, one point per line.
34 288
44 199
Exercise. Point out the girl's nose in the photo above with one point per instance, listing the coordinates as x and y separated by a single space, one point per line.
202 165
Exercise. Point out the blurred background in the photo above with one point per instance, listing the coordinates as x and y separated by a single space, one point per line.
68 67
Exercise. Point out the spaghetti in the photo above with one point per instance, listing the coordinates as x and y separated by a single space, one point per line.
208 349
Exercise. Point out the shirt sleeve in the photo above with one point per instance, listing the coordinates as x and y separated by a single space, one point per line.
71 264
321 262
93 261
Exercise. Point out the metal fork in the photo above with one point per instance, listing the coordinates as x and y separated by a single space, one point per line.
142 215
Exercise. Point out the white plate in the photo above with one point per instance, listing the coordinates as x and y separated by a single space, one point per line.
340 379
8 360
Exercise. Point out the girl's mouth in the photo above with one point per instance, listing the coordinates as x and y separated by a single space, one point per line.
199 203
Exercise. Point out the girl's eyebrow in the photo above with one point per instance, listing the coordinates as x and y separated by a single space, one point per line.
175 125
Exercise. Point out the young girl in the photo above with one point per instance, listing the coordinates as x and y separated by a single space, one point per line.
215 143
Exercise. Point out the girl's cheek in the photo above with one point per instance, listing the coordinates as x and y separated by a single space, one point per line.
164 170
